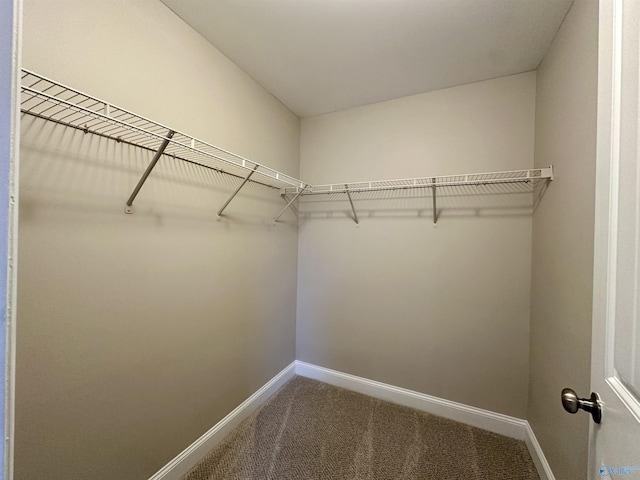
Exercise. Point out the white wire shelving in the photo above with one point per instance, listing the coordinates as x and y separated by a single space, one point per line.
530 176
52 101
514 176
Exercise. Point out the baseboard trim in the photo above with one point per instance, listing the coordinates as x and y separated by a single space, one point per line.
476 417
181 464
537 455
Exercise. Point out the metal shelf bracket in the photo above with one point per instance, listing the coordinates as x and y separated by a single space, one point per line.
244 182
129 205
285 198
302 189
435 209
355 215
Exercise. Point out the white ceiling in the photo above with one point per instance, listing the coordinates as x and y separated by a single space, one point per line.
320 56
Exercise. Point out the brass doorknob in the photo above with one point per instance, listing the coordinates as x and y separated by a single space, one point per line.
572 404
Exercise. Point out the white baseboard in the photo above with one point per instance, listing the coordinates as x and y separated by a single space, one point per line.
198 449
476 417
537 455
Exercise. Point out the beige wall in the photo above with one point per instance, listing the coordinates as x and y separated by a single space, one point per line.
443 310
562 276
138 333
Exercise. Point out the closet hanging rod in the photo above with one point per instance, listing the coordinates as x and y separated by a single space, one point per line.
61 104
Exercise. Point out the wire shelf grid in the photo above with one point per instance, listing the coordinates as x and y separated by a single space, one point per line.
52 101
471 179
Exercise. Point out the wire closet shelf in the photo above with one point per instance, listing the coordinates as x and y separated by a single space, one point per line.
52 101
471 179
46 99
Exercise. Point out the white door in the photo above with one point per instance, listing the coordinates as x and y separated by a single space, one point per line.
615 371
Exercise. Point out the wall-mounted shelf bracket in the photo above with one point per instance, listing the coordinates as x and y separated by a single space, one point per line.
547 173
435 209
355 215
244 182
286 200
302 189
129 205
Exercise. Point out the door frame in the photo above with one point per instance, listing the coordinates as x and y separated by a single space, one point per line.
10 59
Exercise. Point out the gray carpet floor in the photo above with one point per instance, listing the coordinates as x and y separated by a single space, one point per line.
311 430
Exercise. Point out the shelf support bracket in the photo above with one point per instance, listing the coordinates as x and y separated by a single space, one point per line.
275 220
435 210
233 195
286 200
129 205
547 173
355 215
